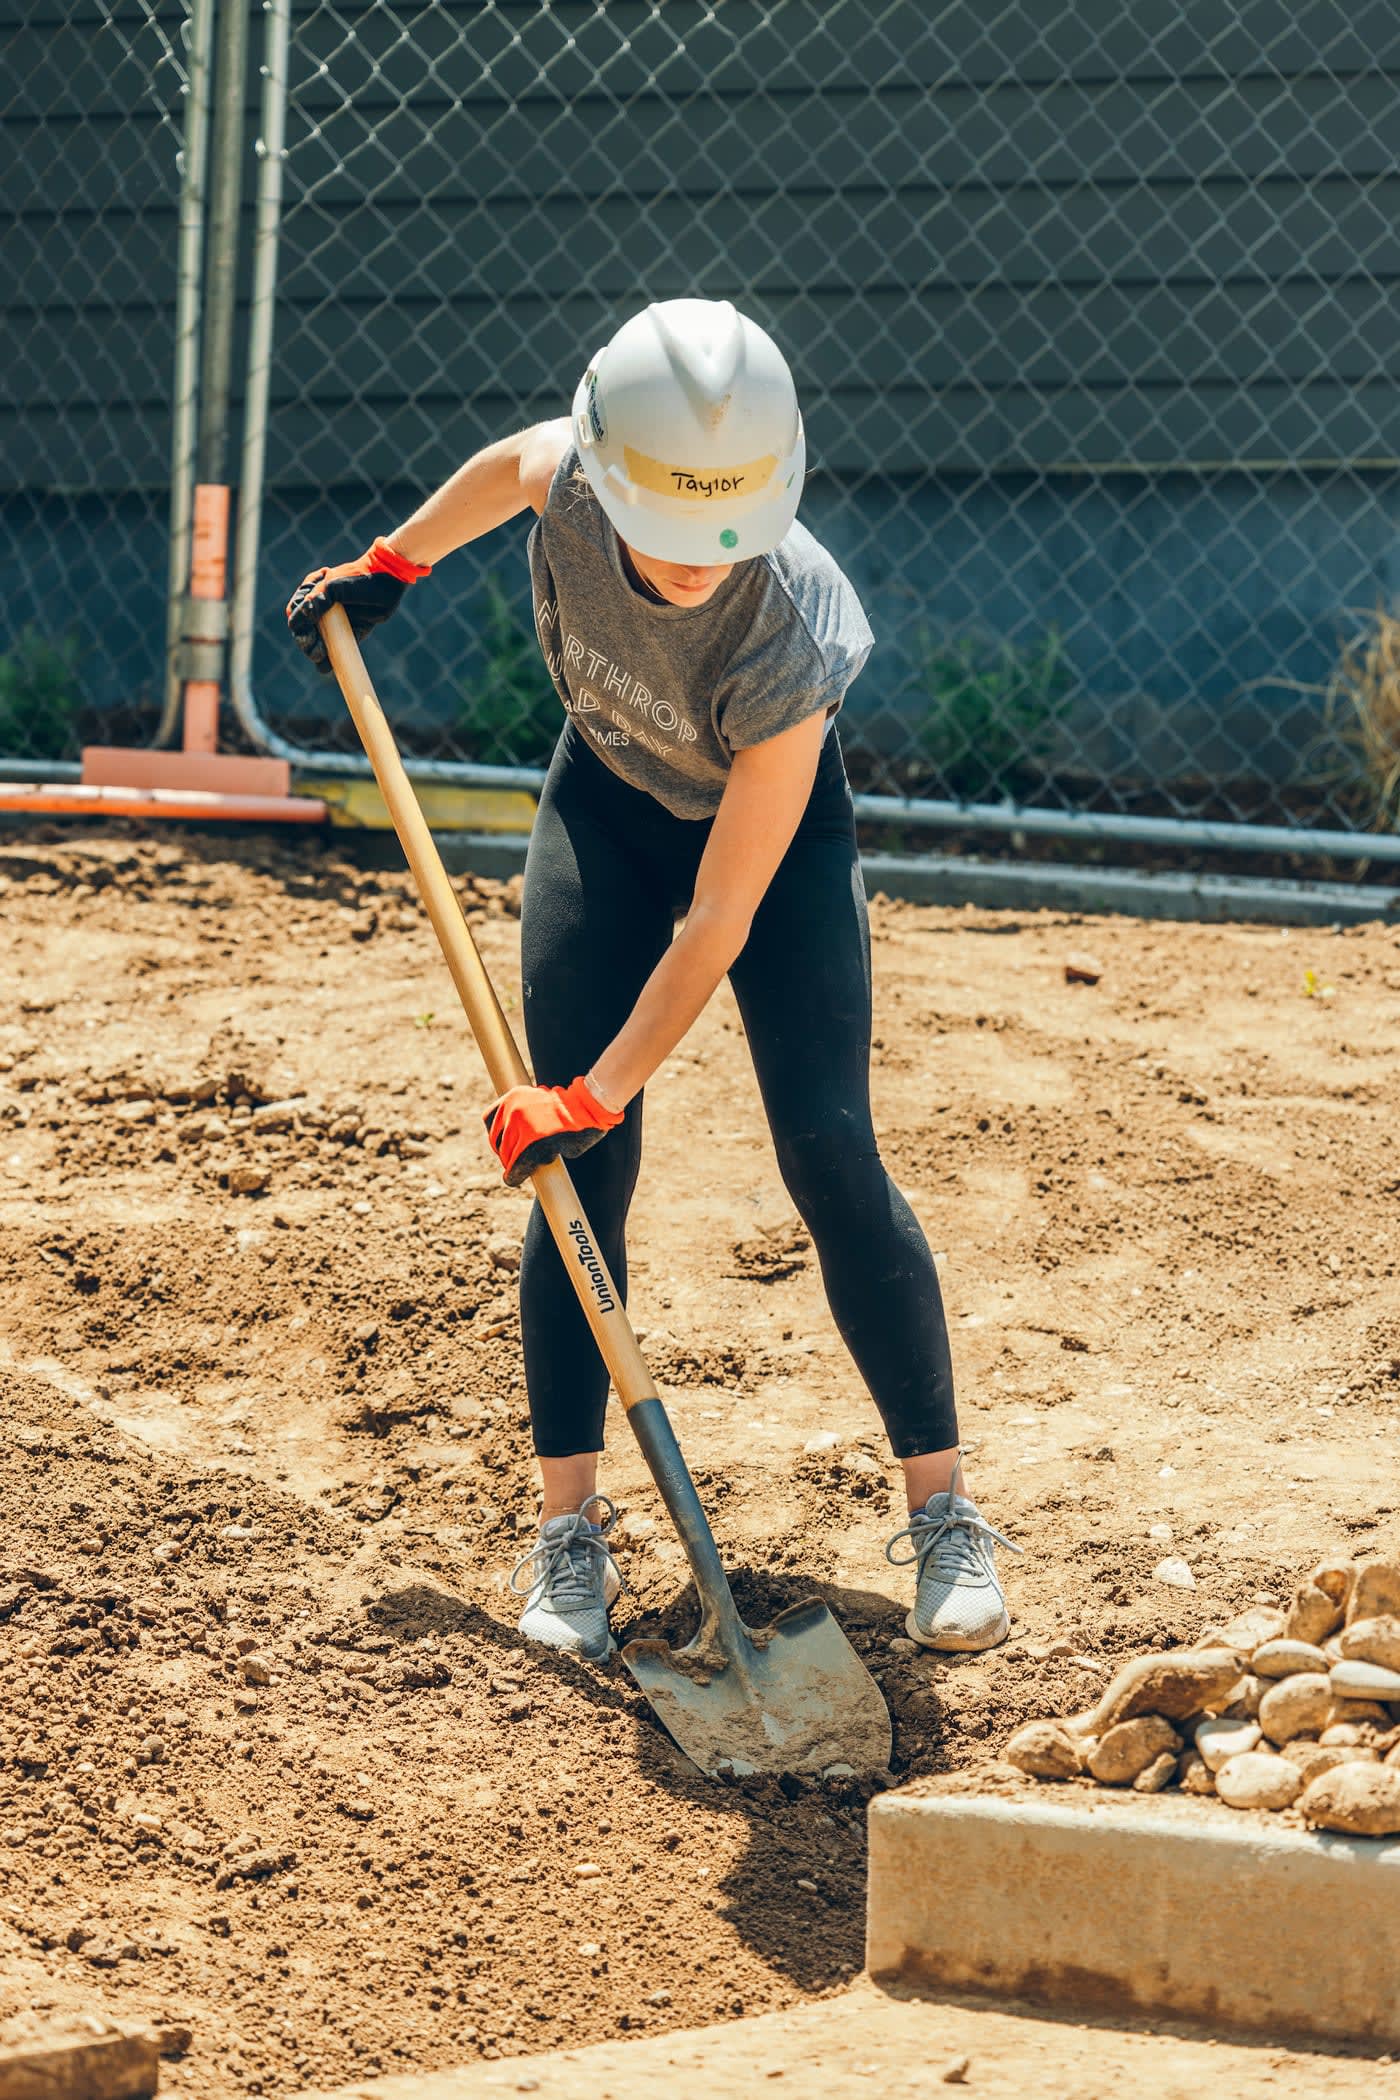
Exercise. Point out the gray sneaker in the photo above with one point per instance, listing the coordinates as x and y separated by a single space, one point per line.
572 1581
958 1603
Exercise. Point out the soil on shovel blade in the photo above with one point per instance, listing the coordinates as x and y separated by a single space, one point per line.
275 1770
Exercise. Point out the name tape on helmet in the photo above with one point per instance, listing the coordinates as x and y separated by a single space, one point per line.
688 484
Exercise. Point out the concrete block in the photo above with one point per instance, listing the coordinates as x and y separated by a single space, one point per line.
1125 1904
76 2066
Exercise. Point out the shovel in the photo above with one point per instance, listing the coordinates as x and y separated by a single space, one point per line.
790 1697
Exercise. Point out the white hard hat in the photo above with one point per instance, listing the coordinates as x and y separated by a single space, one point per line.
688 430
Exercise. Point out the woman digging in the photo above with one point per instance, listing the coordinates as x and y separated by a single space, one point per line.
701 642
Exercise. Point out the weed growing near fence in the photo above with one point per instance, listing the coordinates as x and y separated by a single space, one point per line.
39 697
992 707
510 712
1363 706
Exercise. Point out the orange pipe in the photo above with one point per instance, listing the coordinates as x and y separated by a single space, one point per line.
208 580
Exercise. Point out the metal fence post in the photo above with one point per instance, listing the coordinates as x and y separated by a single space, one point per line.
193 175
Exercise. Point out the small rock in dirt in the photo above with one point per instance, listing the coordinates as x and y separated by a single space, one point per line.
1364 1680
1130 1747
1341 1735
1176 1686
1045 1750
277 1115
152 1750
955 2071
1195 1775
1363 1799
1219 1741
587 1870
1295 1706
1376 1593
255 1669
1082 968
1244 1706
1284 1658
247 1181
824 1440
1158 1774
1174 1572
809 1886
1364 1640
1352 1707
839 1772
236 1532
1317 1605
1163 1532
1258 1779
1313 1759
900 1644
1250 1629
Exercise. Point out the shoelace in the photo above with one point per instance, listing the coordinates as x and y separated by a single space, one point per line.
567 1561
959 1527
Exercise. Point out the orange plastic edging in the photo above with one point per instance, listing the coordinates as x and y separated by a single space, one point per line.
62 799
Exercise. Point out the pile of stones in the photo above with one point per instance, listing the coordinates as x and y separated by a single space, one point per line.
1296 1709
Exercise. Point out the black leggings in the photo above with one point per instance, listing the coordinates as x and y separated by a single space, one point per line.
609 871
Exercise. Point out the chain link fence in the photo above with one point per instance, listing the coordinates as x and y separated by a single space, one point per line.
1091 311
91 122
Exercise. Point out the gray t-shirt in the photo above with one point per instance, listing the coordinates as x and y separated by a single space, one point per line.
666 694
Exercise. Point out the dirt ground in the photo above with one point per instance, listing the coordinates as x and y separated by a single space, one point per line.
275 1771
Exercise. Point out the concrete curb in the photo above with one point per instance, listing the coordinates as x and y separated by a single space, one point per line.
1023 885
1051 886
1126 1904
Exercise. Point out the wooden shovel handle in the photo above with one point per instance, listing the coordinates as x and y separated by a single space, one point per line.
551 1183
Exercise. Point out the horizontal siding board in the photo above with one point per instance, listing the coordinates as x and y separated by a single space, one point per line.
38 17
1306 129
59 269
118 446
76 165
1215 338
904 432
82 70
687 47
1225 231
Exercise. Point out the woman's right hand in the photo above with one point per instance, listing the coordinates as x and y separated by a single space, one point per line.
369 589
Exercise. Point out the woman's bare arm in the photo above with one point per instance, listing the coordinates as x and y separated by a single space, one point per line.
763 801
494 484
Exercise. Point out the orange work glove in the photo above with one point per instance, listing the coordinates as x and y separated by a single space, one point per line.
531 1124
369 589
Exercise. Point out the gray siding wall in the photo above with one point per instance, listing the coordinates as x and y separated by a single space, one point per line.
1150 235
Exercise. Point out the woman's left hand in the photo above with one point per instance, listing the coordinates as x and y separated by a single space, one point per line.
532 1124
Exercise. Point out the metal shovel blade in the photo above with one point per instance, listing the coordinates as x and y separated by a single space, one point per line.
792 1698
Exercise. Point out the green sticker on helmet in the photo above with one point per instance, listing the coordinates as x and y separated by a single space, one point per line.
729 537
